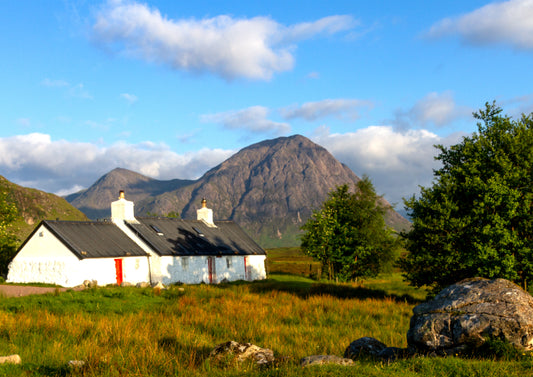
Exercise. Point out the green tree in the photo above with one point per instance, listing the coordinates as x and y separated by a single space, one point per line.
8 241
477 218
348 234
172 214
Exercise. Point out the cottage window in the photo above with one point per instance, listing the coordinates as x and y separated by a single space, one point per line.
228 262
156 229
200 234
184 263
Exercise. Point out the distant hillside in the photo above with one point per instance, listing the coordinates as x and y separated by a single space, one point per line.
269 188
95 201
34 205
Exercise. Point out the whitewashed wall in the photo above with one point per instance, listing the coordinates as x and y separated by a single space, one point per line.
255 266
103 270
44 259
195 269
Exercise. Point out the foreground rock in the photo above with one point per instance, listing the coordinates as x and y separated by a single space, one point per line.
243 352
467 313
370 347
11 359
324 360
365 346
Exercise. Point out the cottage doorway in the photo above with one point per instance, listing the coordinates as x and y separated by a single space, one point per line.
211 268
247 270
118 270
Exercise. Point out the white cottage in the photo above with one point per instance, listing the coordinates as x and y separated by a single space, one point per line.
135 250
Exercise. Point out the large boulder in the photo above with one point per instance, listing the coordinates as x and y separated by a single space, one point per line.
468 313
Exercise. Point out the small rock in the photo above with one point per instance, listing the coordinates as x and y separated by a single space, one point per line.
126 284
243 352
11 359
76 363
143 285
90 283
158 285
324 359
365 346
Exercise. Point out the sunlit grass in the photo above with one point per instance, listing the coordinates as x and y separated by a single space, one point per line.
146 332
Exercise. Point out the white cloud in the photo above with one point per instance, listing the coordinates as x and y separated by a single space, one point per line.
507 22
341 108
130 98
72 90
54 83
396 162
253 48
313 75
437 109
253 119
519 105
327 25
59 166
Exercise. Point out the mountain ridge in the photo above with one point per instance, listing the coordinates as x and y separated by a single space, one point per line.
270 188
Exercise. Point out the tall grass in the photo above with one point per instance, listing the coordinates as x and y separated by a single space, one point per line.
145 332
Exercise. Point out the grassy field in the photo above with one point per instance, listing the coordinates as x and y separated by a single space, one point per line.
145 332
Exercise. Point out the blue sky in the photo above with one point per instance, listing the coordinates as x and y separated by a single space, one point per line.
171 88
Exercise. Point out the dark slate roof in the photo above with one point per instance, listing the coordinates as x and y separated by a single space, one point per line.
170 236
93 239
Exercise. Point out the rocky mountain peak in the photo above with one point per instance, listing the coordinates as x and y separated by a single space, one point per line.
270 188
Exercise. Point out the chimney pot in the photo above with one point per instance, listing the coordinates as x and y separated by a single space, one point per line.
121 194
205 214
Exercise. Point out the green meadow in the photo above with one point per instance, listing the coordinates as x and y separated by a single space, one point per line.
145 332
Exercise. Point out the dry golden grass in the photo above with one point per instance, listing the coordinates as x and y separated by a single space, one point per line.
140 332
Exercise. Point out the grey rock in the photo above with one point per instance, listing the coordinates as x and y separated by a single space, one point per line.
243 352
325 359
126 284
143 285
158 285
393 353
90 283
11 359
365 346
76 363
465 314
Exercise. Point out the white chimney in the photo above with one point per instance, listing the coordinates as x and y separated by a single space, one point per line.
122 209
205 214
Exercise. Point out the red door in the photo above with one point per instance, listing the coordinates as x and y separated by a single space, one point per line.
247 272
211 269
118 269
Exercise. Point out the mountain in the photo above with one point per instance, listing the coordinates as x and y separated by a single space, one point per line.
95 201
269 188
34 205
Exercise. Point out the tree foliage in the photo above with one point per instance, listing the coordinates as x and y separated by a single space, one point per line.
8 241
348 234
477 218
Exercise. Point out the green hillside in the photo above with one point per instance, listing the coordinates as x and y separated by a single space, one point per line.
34 205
